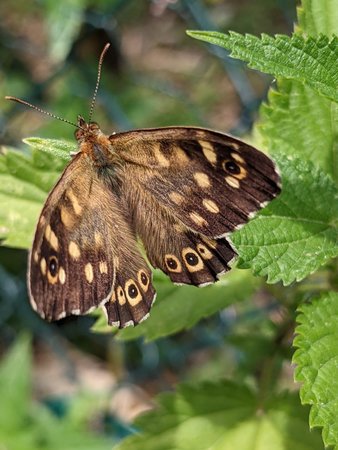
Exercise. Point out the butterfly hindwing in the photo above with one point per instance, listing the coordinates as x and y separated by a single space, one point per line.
194 260
133 292
186 257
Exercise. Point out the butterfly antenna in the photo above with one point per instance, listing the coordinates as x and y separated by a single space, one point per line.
97 81
42 111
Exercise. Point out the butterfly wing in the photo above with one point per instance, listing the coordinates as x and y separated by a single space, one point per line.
79 249
209 181
187 189
186 257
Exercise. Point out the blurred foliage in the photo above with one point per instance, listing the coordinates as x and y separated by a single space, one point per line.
31 426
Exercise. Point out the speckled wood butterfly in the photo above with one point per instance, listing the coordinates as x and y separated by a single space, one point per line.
180 190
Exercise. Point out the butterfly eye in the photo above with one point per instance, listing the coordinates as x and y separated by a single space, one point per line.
133 294
143 280
172 263
191 259
53 266
231 167
132 291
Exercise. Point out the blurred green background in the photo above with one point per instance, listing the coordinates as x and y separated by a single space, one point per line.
153 75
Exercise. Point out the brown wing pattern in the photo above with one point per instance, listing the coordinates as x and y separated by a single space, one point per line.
211 182
78 249
186 257
181 190
133 292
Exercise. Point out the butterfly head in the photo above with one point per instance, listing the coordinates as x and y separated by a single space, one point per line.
86 130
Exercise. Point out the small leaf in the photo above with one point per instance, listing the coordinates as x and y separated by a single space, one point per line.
310 61
298 231
62 149
317 363
180 308
223 416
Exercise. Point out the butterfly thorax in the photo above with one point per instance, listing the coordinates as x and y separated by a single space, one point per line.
95 144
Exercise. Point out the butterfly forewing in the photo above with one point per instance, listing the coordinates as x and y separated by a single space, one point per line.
72 260
209 181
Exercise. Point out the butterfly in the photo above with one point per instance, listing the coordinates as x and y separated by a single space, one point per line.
179 190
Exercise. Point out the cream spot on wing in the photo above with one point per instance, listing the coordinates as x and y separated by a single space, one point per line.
233 182
98 239
42 221
89 272
211 242
74 250
198 219
51 238
208 151
180 156
52 279
36 257
210 205
113 297
161 159
120 296
62 275
67 217
179 228
234 145
204 251
74 201
243 173
103 267
43 266
202 179
176 198
236 156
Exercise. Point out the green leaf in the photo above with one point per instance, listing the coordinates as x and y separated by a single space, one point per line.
180 308
223 416
298 231
317 362
24 182
318 16
62 149
297 121
310 61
